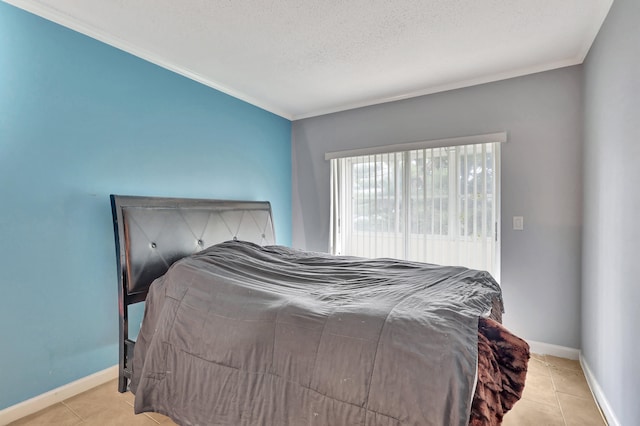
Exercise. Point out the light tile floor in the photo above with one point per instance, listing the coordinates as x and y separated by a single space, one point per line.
556 393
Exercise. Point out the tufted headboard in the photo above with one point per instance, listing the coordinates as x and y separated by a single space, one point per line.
151 233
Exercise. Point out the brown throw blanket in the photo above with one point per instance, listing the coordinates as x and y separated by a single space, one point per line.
502 369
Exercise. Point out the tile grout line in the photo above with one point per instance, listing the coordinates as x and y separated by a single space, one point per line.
127 402
73 411
555 390
151 418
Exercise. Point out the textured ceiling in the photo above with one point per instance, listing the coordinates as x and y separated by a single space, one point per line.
300 58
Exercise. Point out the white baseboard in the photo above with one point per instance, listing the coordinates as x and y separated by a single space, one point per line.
541 348
35 404
598 394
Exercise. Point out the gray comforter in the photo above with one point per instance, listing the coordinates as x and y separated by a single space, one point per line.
246 335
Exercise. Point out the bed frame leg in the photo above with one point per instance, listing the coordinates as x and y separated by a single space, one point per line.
122 383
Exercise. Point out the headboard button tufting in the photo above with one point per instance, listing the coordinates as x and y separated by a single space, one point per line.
200 242
154 245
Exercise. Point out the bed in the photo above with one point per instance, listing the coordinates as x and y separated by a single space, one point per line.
240 331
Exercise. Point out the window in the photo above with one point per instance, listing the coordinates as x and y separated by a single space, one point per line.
437 205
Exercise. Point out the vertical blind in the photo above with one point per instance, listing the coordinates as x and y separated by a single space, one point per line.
437 205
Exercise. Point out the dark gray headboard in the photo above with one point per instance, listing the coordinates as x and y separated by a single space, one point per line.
151 233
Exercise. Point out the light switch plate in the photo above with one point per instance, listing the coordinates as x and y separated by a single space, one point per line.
518 223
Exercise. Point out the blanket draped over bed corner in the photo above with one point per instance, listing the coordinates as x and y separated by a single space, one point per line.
502 369
246 335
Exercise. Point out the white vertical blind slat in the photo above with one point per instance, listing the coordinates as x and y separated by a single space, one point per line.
474 238
467 207
441 192
485 233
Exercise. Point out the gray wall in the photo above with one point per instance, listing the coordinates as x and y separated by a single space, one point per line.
541 180
611 250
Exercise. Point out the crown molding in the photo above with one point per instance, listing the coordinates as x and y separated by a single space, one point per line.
490 78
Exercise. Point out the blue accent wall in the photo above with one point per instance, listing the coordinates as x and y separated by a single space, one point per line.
80 120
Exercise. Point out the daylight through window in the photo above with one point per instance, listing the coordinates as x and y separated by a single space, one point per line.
436 205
